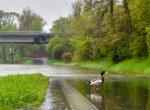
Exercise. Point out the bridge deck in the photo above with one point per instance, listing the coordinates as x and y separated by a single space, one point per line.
25 37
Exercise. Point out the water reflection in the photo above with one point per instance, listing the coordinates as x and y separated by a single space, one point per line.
123 93
97 99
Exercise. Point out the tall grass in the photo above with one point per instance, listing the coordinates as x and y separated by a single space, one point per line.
28 62
104 64
131 66
56 62
22 91
138 66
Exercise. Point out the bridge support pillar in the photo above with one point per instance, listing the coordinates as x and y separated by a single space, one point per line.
11 53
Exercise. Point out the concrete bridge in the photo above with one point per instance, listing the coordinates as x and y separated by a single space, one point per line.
25 37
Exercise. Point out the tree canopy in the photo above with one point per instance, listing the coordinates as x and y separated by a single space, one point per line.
107 29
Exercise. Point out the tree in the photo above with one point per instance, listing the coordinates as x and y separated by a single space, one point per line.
7 23
107 29
62 26
140 23
55 48
30 21
128 17
77 8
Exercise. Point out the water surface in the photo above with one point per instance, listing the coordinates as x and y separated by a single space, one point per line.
118 92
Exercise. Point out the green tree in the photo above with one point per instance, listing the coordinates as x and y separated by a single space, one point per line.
30 21
62 26
106 29
55 48
139 15
77 8
7 23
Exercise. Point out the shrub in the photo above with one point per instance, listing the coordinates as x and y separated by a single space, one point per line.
67 57
28 62
138 46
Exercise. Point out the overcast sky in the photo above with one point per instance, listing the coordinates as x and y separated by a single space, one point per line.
50 10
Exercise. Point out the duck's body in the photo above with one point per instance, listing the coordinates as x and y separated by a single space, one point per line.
97 81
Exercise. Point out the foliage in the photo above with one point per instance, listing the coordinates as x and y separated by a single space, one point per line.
108 29
62 26
148 39
141 14
83 47
77 7
67 57
95 30
22 91
27 21
55 47
17 58
7 21
138 46
30 21
28 62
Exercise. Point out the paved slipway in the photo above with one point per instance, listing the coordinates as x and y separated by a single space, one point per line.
60 95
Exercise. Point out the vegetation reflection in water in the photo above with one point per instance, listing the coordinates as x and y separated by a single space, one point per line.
121 93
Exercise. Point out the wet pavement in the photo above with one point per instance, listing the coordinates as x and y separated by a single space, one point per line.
55 98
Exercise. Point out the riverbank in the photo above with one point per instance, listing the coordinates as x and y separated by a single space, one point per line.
129 66
22 91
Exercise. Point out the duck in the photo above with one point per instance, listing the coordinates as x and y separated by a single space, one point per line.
98 81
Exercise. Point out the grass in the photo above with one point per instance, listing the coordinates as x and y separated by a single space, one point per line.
104 64
136 66
28 62
128 66
22 91
56 62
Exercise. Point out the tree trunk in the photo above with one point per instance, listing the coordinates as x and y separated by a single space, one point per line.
128 17
112 15
4 54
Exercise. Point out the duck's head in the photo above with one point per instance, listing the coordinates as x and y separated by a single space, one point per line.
103 72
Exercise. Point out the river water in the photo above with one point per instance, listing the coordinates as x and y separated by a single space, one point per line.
118 92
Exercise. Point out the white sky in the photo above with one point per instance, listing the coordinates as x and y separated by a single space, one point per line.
50 10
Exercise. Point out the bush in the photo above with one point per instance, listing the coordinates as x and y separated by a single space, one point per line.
53 43
138 46
28 62
67 57
57 52
148 39
83 47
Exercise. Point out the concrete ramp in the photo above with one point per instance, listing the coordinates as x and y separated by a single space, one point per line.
76 100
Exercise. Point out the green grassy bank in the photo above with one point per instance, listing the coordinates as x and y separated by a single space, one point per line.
22 91
129 66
